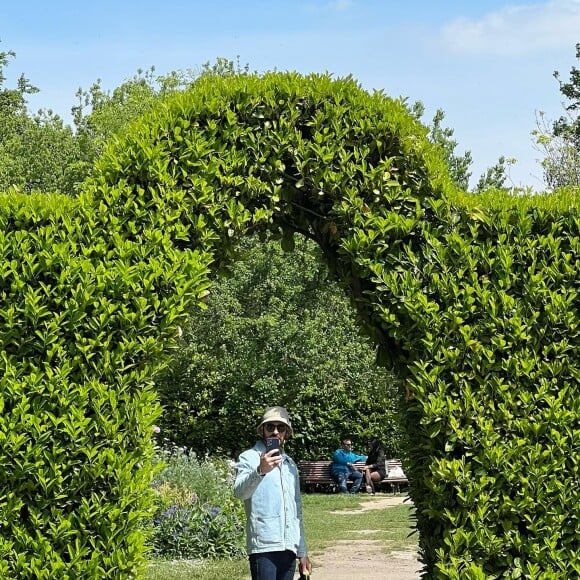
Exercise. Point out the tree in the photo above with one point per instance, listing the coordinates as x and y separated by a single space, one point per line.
568 126
277 332
443 136
559 141
42 154
495 177
561 157
37 152
459 165
13 101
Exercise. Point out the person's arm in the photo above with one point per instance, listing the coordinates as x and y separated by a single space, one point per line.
302 548
380 459
340 457
247 476
303 559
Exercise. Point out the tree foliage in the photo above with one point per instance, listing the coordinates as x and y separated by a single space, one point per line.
559 141
41 153
494 177
277 331
13 101
37 152
568 126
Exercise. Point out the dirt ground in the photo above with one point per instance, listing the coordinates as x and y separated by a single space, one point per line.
358 559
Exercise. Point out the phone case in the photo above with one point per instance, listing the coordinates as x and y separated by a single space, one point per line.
272 443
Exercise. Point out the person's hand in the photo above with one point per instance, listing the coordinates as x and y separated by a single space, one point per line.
304 564
270 460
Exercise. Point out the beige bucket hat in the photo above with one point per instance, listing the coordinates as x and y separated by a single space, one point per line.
277 414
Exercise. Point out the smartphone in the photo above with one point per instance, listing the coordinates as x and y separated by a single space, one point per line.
273 443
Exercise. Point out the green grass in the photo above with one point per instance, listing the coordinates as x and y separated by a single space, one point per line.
327 520
188 570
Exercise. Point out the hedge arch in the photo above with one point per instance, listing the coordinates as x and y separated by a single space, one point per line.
464 298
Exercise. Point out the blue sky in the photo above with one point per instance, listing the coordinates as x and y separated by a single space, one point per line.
487 64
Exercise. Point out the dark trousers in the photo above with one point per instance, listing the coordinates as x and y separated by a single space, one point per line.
273 565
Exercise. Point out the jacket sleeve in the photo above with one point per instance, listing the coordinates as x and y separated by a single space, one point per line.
247 478
360 458
340 458
302 547
380 459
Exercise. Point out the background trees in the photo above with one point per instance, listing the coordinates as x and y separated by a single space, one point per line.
494 177
568 126
559 141
277 332
37 152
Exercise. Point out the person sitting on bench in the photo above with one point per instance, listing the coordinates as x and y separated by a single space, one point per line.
375 470
342 468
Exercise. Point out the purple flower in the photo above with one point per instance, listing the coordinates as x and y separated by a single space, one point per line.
169 511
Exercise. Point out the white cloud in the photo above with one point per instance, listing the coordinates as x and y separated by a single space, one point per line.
516 30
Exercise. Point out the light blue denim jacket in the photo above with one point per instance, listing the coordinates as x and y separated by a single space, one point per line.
273 504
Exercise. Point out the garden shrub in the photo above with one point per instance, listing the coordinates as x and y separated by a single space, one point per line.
82 328
473 301
196 514
493 397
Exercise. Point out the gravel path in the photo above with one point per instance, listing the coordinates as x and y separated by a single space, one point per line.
358 559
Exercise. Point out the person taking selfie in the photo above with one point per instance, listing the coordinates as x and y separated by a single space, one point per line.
267 481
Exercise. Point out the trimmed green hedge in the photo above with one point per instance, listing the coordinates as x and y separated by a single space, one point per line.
85 312
493 395
472 300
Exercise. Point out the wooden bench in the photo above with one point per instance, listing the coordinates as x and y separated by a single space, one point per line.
391 482
316 476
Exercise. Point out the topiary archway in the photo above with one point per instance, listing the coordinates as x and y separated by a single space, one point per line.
455 295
